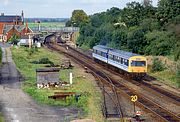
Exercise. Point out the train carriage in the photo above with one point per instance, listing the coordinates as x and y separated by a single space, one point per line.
127 61
100 52
130 63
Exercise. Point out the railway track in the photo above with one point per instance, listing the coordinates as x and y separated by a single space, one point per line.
164 92
143 102
110 97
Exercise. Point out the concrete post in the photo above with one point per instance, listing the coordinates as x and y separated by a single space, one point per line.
71 78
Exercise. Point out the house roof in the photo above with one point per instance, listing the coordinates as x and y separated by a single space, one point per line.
4 18
7 28
19 28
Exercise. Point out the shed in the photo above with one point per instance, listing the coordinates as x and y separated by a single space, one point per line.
47 75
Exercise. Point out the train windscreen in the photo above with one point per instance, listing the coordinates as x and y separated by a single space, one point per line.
138 63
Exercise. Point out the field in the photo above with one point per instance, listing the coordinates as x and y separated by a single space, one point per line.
82 82
47 24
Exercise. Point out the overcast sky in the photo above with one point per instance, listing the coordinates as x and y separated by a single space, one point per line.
59 8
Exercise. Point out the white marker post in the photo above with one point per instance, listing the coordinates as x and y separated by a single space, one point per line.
71 78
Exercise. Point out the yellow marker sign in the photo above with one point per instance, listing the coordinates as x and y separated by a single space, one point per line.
134 98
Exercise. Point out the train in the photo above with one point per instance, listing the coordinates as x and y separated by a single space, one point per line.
127 63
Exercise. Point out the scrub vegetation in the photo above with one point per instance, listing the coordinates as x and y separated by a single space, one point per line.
89 99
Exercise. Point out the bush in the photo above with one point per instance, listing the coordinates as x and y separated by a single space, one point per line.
44 61
157 65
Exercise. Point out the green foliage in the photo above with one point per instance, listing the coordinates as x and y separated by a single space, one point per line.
44 61
167 10
139 28
136 41
160 43
157 65
78 17
31 50
14 39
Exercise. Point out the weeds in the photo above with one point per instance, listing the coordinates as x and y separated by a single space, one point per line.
157 65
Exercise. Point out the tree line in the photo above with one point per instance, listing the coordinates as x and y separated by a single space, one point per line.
139 27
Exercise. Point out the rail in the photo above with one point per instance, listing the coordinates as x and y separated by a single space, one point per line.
162 113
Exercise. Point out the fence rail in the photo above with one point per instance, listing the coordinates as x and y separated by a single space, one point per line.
59 29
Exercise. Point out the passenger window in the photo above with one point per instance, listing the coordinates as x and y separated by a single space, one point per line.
121 60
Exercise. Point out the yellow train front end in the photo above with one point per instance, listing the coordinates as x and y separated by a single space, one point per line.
137 65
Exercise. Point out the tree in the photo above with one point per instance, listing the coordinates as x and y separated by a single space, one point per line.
147 3
132 14
136 41
79 17
159 43
167 9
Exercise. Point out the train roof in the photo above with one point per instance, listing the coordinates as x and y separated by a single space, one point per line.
101 48
122 53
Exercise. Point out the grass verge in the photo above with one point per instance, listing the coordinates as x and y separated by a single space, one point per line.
169 76
82 83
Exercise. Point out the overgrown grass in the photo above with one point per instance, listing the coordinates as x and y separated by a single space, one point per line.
89 100
168 76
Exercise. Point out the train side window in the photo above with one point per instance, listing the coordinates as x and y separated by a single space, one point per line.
103 54
126 62
98 52
121 60
113 57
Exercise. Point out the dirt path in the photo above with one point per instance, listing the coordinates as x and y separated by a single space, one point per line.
17 106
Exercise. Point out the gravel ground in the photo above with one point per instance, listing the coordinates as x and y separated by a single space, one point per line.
17 106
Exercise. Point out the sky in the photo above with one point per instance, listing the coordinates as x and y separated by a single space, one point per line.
59 8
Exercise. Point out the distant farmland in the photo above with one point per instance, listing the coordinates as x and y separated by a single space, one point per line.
47 24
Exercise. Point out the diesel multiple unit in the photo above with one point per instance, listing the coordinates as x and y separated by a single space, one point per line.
131 63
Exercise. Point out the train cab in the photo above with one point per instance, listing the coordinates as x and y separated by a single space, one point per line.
137 64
